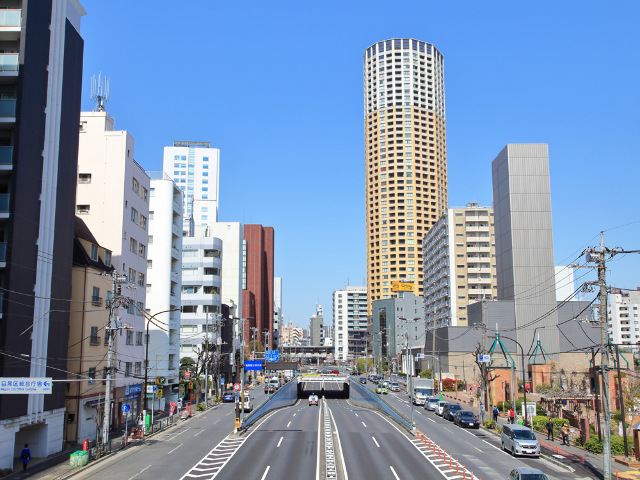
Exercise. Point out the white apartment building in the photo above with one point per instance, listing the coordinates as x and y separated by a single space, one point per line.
201 294
350 322
459 264
164 280
195 168
231 234
624 317
113 200
277 309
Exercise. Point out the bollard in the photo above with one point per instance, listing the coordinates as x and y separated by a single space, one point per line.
450 466
444 457
457 465
464 472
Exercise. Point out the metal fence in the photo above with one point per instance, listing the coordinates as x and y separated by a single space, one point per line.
286 396
363 397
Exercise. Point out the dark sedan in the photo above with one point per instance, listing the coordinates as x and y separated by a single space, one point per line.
228 397
464 418
450 410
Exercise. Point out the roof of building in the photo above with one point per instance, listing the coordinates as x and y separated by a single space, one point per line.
80 255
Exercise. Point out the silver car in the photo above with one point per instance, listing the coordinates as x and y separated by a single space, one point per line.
519 440
431 403
527 474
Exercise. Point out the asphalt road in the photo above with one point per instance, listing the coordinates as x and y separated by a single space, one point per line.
479 450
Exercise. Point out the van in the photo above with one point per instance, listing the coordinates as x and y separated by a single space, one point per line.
520 440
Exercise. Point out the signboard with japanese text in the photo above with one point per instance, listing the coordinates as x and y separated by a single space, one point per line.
272 356
402 287
18 385
484 358
253 365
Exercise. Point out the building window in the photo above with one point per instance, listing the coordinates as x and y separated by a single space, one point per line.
127 369
133 245
132 275
134 215
82 209
107 258
92 375
136 186
94 252
138 338
145 195
93 336
142 251
143 222
141 279
129 337
84 178
138 369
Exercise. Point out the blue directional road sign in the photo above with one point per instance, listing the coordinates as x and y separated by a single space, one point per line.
253 365
272 356
126 407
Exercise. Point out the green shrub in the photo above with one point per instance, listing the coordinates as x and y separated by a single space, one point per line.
616 417
543 388
489 423
504 406
201 407
558 423
617 445
539 422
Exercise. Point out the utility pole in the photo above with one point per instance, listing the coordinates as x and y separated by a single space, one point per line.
621 396
483 365
254 330
116 301
206 364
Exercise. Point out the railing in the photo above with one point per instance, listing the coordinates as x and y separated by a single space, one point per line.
7 108
10 17
8 62
364 397
96 301
94 340
4 202
285 397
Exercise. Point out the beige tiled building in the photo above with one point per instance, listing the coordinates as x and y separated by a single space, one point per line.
405 158
459 264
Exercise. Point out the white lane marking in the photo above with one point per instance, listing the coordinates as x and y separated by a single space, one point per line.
497 448
431 420
173 450
375 441
265 472
279 442
295 414
288 424
473 446
141 471
445 428
394 473
323 404
365 425
344 467
198 433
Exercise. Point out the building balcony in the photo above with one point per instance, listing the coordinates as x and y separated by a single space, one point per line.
4 205
8 61
7 111
97 301
6 156
94 341
10 17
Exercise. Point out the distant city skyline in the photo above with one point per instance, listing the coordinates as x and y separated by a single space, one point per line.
290 133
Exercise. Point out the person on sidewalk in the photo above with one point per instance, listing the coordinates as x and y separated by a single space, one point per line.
549 426
565 434
496 412
512 416
25 456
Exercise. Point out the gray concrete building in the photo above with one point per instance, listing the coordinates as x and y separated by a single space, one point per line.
316 327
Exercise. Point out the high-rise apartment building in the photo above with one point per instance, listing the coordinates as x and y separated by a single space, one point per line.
459 264
164 271
316 327
405 158
277 310
624 318
350 323
40 85
195 168
257 282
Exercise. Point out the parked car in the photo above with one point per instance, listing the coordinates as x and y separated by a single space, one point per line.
440 407
363 380
465 418
527 474
381 389
519 440
313 399
450 410
431 403
394 386
228 396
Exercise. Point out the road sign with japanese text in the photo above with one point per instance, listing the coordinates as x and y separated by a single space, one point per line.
272 356
17 385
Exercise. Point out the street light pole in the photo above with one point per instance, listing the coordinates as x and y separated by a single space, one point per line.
524 373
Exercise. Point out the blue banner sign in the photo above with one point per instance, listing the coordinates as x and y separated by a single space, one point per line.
253 365
272 356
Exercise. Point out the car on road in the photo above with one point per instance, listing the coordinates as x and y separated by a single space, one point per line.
394 386
363 380
527 474
519 440
440 407
450 410
248 404
228 396
431 403
270 388
313 399
381 389
465 418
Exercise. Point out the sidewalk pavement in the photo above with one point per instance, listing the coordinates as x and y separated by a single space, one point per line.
56 466
554 449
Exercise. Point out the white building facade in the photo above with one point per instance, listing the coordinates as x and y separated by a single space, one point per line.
112 198
624 318
164 280
350 322
201 294
195 168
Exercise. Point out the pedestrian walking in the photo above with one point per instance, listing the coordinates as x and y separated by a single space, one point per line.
565 434
496 412
512 416
25 456
549 426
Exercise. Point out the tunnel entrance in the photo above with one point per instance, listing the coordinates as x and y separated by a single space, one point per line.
324 388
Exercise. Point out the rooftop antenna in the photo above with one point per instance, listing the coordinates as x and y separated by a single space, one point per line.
100 92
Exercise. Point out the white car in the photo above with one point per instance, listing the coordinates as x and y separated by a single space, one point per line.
440 407
248 405
313 399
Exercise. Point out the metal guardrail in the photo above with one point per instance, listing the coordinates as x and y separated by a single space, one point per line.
285 397
363 397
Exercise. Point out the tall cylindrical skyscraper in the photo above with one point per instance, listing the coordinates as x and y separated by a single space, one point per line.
405 159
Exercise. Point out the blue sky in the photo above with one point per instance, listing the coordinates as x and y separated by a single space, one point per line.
278 87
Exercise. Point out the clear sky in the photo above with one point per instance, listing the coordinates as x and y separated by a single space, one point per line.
278 87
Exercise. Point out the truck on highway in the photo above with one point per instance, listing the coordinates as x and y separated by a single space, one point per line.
422 390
